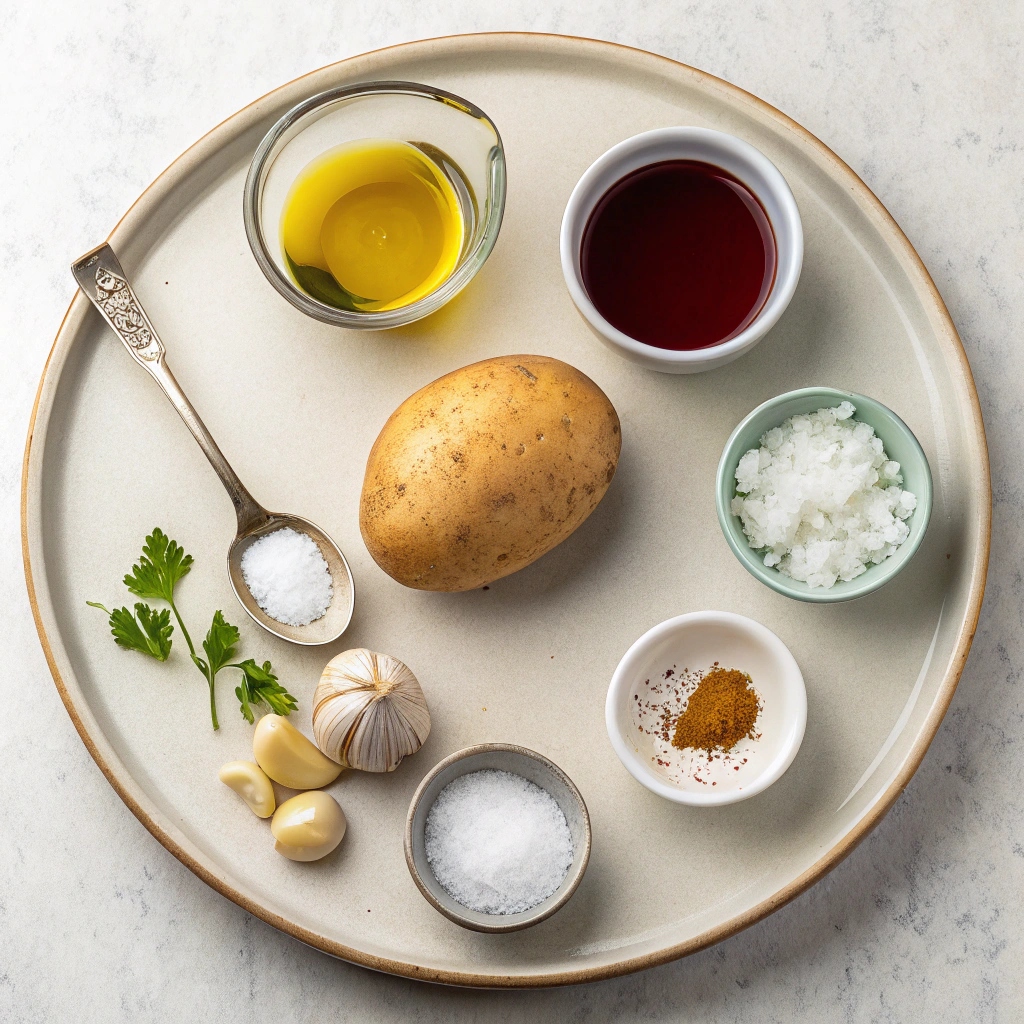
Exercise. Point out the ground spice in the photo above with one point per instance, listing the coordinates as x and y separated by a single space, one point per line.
720 712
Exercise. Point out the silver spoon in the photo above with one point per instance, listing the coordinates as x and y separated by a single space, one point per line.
100 276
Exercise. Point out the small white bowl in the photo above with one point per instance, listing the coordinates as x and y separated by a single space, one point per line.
742 161
694 642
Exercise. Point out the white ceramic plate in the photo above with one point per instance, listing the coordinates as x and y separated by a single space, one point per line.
296 405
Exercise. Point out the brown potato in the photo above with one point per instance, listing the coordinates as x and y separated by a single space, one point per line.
483 471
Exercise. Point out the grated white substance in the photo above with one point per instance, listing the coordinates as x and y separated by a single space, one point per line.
822 497
497 843
288 576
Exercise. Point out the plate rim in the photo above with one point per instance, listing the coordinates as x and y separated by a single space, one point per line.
129 791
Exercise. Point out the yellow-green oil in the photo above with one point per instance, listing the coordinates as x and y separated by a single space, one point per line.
371 225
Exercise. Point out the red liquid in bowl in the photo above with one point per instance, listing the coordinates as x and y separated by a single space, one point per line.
679 255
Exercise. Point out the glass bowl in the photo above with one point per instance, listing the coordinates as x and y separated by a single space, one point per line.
458 136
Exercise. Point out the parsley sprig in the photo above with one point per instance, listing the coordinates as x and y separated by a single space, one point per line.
161 566
147 630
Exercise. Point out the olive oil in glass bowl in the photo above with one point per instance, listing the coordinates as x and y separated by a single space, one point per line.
370 206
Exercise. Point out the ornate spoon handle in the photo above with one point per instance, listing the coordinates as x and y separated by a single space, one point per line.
105 284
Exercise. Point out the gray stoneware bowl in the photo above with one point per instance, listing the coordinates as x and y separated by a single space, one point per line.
506 757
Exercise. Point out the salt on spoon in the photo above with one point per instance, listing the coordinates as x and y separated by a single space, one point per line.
288 576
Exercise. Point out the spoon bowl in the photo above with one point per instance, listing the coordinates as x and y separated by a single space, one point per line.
105 284
335 620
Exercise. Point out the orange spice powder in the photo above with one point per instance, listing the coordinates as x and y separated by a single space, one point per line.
720 712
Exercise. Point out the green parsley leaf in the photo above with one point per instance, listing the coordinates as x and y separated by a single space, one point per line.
242 693
162 564
260 686
147 631
220 643
157 626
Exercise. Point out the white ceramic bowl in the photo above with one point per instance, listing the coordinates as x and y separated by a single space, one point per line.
695 642
741 160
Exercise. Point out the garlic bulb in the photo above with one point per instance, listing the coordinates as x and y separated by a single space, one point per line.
369 711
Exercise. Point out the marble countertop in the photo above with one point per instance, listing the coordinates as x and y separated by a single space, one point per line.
922 922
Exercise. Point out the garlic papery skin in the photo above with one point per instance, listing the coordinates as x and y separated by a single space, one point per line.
288 757
369 711
250 782
309 826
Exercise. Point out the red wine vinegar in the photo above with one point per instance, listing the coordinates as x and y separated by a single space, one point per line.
679 255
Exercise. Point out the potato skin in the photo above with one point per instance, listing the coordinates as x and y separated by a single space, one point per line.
486 469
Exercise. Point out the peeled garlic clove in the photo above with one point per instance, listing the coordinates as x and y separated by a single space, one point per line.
289 758
369 711
309 826
250 782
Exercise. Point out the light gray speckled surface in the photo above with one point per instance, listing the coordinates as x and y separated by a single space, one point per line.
922 922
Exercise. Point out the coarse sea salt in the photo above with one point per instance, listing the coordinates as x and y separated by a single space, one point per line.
822 497
288 576
497 843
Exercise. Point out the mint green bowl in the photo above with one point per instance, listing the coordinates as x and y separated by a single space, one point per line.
900 445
